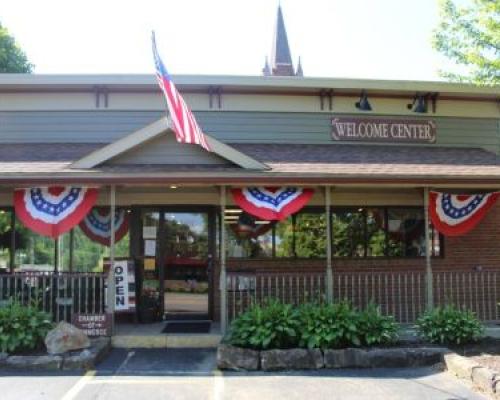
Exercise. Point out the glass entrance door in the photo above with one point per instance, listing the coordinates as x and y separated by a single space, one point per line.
185 263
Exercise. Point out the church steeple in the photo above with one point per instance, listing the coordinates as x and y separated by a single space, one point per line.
281 57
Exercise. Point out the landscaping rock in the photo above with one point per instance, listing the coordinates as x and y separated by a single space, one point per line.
460 366
484 378
274 360
100 347
423 356
237 358
65 337
82 360
49 362
387 358
346 358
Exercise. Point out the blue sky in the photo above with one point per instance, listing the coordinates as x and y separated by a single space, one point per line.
379 39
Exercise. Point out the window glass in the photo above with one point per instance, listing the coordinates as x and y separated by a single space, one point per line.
375 232
247 237
310 235
348 233
187 235
5 239
406 231
34 252
284 238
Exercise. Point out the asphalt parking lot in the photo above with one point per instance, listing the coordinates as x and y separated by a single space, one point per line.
190 374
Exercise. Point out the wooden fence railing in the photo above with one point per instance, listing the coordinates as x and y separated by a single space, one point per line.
60 294
401 294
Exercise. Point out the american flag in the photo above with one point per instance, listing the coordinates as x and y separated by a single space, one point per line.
184 123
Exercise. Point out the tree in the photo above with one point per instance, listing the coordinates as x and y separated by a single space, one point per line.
12 57
470 36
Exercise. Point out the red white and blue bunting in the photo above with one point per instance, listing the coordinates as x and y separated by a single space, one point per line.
51 211
97 225
271 203
457 214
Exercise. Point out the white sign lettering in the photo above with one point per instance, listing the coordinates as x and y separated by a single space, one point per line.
121 285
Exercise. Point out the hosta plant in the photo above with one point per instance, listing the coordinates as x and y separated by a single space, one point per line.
375 328
22 327
449 325
271 326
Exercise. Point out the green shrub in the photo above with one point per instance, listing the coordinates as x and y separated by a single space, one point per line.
273 325
449 325
375 328
22 327
328 326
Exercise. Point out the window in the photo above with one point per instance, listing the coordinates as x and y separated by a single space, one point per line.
302 235
34 252
310 235
348 228
247 237
5 239
381 231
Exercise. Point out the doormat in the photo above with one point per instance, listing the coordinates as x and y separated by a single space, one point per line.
187 327
186 316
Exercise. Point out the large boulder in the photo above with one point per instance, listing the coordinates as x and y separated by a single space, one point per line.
274 360
66 337
237 358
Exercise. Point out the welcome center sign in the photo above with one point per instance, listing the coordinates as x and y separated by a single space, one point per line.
383 130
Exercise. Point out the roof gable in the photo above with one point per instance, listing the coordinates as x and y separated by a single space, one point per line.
139 145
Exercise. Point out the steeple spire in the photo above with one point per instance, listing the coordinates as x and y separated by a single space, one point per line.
281 57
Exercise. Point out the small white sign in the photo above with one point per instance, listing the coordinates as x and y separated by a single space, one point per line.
150 248
121 285
149 232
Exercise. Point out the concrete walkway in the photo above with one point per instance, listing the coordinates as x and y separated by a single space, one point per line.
189 374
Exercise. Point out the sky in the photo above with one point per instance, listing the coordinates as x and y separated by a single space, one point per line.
372 39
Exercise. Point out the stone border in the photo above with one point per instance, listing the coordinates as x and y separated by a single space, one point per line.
75 360
240 359
483 378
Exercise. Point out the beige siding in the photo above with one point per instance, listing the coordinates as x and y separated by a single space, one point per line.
128 196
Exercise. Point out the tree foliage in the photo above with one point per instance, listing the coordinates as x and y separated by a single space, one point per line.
12 57
470 36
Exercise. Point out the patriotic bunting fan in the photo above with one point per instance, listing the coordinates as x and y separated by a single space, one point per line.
51 211
456 214
272 204
97 225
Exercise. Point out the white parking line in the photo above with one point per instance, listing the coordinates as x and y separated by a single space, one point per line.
218 393
78 386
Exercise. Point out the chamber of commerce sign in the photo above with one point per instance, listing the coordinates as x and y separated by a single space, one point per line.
383 130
